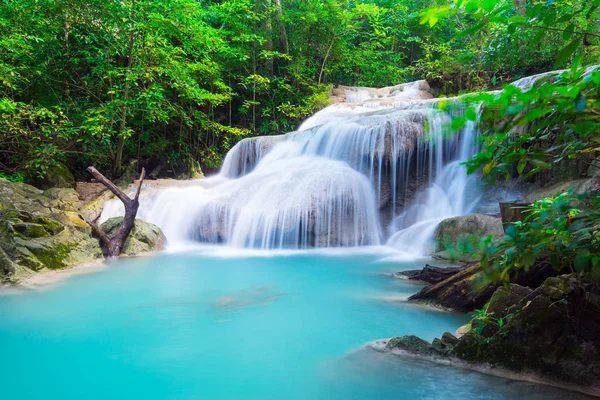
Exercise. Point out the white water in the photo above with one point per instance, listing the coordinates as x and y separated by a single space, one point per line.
383 162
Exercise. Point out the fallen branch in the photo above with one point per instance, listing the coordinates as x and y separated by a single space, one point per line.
115 245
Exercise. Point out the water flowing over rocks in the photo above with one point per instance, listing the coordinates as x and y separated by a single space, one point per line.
343 179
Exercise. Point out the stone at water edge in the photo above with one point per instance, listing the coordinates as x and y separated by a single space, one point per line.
550 334
429 274
454 235
143 238
41 230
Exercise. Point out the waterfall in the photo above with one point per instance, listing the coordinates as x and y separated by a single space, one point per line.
382 165
452 193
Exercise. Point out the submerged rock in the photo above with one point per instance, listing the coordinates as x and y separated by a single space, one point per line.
144 237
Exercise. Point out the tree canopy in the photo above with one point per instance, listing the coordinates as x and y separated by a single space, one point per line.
173 83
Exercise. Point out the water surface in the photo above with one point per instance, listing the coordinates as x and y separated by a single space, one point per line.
197 325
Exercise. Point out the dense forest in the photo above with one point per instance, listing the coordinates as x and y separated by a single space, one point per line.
174 84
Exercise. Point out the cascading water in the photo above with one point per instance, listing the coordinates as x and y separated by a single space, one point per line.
453 193
342 179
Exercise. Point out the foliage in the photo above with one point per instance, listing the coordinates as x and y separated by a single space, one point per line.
533 128
564 231
529 131
172 82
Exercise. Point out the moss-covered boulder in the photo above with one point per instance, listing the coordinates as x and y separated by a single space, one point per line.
57 176
469 289
456 238
143 238
41 230
551 332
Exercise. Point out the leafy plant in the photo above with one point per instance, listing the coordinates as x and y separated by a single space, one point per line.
562 231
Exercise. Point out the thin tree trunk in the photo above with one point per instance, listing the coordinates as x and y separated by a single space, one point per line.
115 245
325 59
520 6
269 44
123 122
283 39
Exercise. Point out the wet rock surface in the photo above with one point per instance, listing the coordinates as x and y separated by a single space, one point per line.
469 289
552 332
429 274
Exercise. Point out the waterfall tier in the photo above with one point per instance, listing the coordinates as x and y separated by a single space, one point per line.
381 161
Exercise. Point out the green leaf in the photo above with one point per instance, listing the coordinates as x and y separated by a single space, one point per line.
522 164
471 114
488 5
566 52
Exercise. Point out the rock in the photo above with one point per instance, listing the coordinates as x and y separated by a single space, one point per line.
578 186
463 291
41 230
552 331
469 289
457 238
550 334
65 199
92 209
144 236
129 175
57 176
429 274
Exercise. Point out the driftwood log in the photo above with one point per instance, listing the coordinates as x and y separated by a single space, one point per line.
115 245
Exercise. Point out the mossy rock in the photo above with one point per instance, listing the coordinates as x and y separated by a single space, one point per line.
457 238
57 176
143 238
41 230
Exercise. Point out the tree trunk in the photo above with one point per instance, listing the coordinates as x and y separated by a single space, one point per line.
520 6
269 44
115 245
325 59
283 39
512 212
116 172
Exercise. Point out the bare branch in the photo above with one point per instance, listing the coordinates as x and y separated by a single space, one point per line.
111 186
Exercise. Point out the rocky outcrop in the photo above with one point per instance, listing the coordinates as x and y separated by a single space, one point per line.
469 289
552 332
41 230
57 176
457 238
429 274
143 238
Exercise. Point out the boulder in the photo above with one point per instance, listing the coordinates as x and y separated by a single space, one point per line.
429 274
57 176
41 230
552 331
457 238
550 334
469 289
143 238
